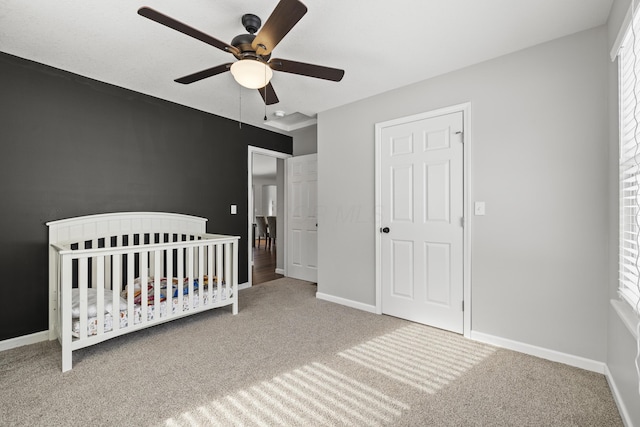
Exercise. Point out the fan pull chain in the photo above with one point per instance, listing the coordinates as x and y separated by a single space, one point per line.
240 112
265 94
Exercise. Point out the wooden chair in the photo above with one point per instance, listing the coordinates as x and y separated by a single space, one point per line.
271 221
261 222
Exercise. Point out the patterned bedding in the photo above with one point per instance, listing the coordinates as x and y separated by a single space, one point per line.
92 324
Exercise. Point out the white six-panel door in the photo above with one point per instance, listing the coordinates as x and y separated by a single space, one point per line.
421 208
302 223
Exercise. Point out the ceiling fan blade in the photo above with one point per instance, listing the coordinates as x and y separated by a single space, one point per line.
310 70
283 18
167 21
209 72
270 96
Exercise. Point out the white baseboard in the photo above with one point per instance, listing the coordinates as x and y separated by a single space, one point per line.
280 271
624 414
244 285
347 302
24 340
544 353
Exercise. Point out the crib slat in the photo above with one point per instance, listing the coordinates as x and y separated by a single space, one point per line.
170 283
197 297
94 273
130 285
100 302
152 260
157 283
180 277
200 251
187 267
163 254
82 291
219 270
107 271
116 284
228 260
144 281
190 272
210 273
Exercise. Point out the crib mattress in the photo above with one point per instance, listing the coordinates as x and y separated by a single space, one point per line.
92 324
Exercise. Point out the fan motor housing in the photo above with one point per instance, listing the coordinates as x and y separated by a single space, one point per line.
243 42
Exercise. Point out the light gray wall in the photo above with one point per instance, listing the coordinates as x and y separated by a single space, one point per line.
621 344
305 141
269 200
258 185
539 161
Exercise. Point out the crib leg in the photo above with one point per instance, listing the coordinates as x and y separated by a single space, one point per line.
66 360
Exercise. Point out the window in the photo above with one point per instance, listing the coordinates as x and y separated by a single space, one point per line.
629 86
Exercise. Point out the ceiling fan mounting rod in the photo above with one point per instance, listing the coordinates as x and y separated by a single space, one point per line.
251 22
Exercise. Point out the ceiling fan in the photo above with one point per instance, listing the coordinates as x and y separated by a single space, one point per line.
254 66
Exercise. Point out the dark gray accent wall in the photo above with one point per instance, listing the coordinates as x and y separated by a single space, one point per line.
73 146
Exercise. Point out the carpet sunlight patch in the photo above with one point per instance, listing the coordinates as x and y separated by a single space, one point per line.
419 356
311 395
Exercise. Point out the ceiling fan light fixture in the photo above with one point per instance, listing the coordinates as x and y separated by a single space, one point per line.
251 73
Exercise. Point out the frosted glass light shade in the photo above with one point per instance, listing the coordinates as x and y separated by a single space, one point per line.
251 73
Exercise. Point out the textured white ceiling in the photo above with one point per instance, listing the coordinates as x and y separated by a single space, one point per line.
381 44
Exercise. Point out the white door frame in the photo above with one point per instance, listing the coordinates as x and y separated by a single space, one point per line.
467 197
250 152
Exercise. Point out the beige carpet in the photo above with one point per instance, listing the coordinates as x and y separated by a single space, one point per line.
288 358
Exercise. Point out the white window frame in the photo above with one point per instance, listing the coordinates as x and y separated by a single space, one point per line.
629 165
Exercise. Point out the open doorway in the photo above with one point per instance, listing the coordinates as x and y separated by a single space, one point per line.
266 215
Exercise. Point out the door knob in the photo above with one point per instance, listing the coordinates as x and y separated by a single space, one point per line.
385 230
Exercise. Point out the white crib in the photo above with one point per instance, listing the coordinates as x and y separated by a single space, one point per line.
111 274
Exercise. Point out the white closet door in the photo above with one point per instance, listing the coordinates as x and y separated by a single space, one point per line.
422 240
302 225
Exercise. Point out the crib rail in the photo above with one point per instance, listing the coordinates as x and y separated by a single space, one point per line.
200 271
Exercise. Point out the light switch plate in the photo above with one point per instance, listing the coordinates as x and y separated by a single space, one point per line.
479 208
234 209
